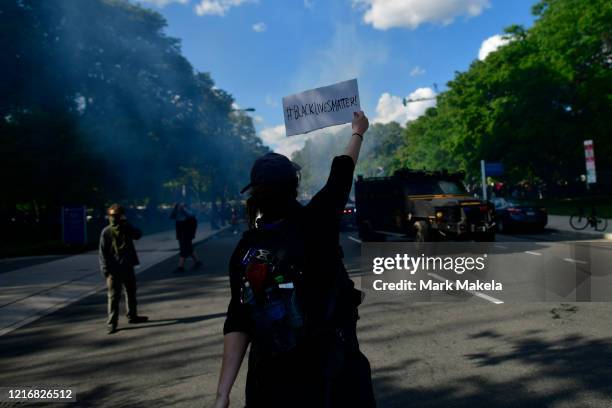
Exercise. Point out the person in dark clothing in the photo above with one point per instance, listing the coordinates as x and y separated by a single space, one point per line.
186 225
118 258
317 361
234 220
214 216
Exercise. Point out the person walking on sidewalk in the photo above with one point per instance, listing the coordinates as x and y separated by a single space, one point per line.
234 220
118 258
186 226
214 216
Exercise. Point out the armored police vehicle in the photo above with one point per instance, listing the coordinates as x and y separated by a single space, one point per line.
424 206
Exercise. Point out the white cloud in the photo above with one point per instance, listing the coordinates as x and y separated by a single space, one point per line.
163 3
385 14
391 108
260 27
491 44
416 71
258 119
216 7
309 4
275 138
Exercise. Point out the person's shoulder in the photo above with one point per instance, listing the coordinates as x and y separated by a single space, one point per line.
247 237
105 233
243 244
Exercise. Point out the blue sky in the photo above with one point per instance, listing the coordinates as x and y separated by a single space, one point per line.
262 50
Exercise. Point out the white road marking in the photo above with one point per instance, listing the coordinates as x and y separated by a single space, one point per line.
473 292
500 246
577 261
393 234
533 253
355 239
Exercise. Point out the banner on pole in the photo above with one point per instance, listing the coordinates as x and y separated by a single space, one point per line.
589 156
74 225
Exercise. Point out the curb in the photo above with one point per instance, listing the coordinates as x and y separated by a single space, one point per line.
595 235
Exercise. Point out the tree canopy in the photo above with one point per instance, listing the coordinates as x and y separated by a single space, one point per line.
97 103
530 104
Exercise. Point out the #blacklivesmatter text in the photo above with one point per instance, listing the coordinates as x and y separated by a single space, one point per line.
296 112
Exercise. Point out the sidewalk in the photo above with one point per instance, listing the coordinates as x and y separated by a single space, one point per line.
561 223
32 292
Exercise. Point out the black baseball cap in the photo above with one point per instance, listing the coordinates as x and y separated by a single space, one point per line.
272 168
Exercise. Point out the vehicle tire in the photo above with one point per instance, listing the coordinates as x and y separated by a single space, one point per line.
422 232
579 221
601 224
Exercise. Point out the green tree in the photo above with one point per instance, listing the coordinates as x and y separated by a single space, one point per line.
530 104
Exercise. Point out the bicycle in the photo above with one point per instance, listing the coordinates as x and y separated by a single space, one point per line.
580 220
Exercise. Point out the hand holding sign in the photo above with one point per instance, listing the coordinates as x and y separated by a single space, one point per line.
360 123
321 107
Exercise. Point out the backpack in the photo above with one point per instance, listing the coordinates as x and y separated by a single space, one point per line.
272 286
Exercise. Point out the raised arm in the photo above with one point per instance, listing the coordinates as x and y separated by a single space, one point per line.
332 198
360 126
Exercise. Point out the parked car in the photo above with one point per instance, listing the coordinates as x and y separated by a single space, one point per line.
512 214
348 219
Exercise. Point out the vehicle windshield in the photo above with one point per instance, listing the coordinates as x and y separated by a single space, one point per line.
425 187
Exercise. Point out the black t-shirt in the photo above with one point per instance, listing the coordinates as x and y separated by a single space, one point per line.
320 219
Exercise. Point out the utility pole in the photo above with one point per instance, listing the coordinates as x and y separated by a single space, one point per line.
483 180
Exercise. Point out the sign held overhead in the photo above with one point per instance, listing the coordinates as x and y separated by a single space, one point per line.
321 107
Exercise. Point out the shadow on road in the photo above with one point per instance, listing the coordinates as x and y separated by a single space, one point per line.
170 322
574 364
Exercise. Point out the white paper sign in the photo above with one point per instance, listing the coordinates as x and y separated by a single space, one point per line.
321 107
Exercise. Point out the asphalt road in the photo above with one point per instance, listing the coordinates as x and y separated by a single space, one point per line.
471 353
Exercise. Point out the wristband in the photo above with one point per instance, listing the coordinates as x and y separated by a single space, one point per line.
361 136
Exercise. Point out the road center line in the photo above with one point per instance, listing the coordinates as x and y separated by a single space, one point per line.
355 239
500 246
533 253
473 292
577 261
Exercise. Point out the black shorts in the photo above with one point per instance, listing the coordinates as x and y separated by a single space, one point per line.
185 247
